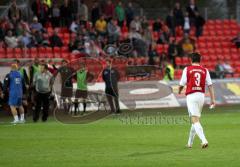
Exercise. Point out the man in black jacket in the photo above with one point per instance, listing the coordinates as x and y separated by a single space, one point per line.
199 23
111 78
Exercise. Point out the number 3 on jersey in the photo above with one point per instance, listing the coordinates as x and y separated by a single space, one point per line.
197 78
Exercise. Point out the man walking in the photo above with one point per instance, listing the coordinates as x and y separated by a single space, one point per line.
195 77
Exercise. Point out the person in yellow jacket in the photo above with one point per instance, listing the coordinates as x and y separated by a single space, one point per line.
48 3
169 72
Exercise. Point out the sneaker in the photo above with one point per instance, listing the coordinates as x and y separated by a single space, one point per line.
22 121
15 122
205 145
188 146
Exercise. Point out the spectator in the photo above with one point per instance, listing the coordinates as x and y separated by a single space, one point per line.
178 14
55 40
65 13
82 22
191 10
39 39
19 30
83 10
109 10
55 15
14 13
152 54
219 69
111 77
91 49
136 24
187 47
171 22
35 7
157 25
173 51
129 14
95 12
145 23
164 36
236 40
42 82
73 5
25 25
228 68
101 26
48 3
169 72
36 26
186 26
139 44
199 23
74 27
120 13
113 31
10 40
2 34
41 10
147 36
5 24
26 40
79 48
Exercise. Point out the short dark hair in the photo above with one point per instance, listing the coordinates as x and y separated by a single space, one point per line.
196 57
17 61
45 66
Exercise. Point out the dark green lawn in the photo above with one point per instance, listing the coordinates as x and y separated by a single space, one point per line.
115 142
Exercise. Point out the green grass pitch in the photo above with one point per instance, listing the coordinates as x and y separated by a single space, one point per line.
111 142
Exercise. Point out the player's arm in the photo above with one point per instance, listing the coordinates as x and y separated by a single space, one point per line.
212 95
183 81
180 89
211 90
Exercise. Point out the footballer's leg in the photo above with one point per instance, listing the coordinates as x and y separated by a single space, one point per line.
15 115
21 111
199 131
191 106
192 134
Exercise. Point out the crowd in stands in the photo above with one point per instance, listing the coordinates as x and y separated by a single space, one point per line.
93 28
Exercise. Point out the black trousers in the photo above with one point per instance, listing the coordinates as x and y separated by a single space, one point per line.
42 100
112 98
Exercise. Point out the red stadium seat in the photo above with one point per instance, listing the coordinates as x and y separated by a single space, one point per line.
56 50
49 50
185 61
9 50
218 50
41 50
178 61
33 51
18 51
64 49
65 55
216 45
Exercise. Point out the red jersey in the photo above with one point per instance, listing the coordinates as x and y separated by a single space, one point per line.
195 77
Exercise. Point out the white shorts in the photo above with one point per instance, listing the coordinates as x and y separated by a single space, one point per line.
195 103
